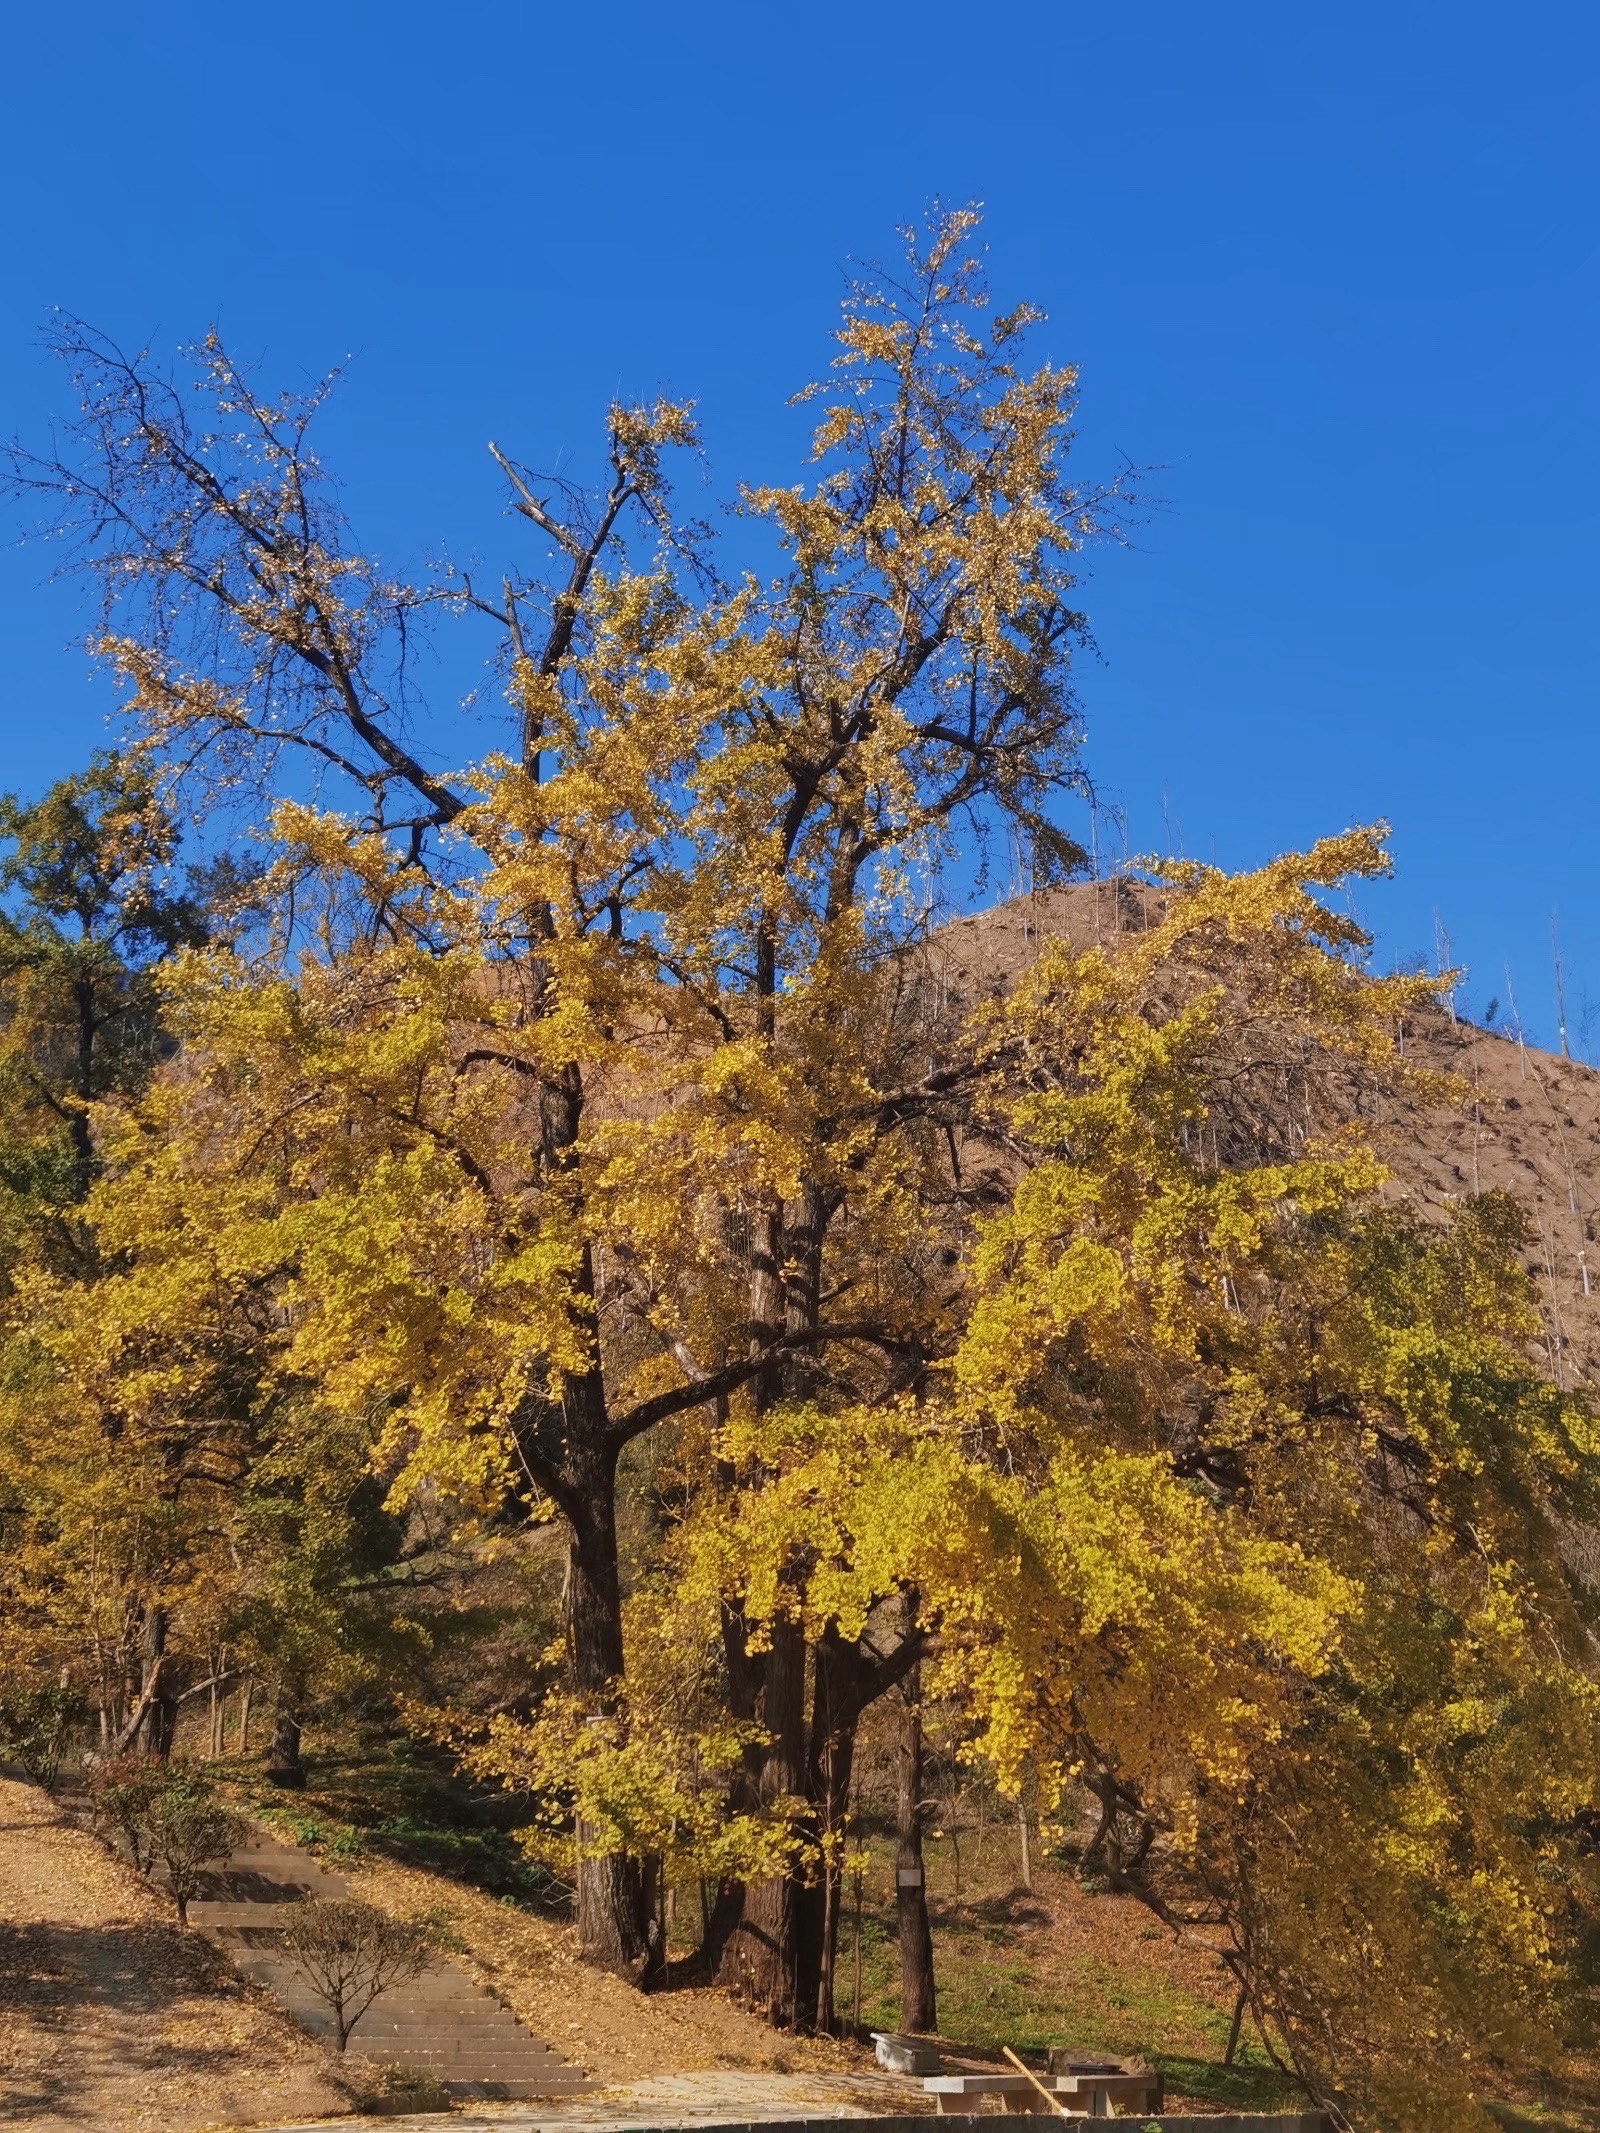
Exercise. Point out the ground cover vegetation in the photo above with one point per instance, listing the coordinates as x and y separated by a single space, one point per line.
533 1255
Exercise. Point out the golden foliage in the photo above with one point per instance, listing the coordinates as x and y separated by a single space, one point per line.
1072 1353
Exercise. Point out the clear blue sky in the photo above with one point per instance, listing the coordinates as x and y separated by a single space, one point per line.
1333 269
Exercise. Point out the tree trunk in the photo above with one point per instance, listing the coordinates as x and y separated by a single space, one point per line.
836 1701
745 1674
159 1719
760 1956
760 1959
246 1697
78 1125
918 2008
1236 2025
616 1908
616 1911
856 2015
284 1766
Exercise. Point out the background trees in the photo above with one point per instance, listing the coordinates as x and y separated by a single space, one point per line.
87 918
87 915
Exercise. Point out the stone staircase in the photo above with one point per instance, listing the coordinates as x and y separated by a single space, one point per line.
441 2023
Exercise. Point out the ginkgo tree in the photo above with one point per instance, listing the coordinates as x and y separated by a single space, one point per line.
160 1498
1233 1477
1059 1348
712 793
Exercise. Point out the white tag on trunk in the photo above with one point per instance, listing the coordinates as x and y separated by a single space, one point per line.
909 1877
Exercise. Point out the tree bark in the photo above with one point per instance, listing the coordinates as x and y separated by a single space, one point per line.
616 1908
763 1956
760 1957
1236 2025
616 1911
919 2013
744 1678
836 1704
284 1766
157 1713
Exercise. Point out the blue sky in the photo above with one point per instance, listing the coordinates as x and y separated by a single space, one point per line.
1333 271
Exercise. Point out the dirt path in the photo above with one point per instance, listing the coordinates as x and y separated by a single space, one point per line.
110 2017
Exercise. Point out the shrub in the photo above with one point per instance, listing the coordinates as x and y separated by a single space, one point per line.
349 1953
34 1725
187 1828
398 2089
124 1788
167 1812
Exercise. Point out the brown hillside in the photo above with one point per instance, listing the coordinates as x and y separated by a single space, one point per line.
1531 1127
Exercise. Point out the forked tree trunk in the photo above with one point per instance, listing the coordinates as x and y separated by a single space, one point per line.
158 1701
919 2013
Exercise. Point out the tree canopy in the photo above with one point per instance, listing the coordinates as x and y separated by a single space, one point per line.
1056 1347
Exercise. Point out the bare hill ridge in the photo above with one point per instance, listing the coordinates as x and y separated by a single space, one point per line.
1530 1129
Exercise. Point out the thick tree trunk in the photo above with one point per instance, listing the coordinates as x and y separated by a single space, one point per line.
760 1955
744 1677
616 1907
760 1959
836 1702
919 2013
775 1953
284 1766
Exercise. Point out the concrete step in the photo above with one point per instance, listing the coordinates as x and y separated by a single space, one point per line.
483 2035
442 2048
443 2044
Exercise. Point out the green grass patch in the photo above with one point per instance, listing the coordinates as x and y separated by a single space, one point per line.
402 1800
998 1986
